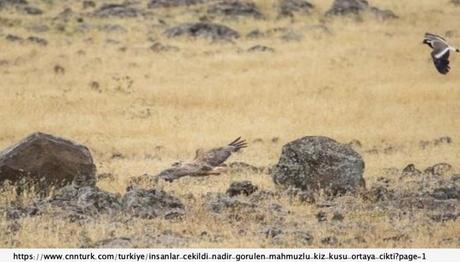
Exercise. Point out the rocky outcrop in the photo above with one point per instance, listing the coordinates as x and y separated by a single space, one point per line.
117 10
152 203
358 7
172 3
234 9
290 8
316 163
81 202
203 30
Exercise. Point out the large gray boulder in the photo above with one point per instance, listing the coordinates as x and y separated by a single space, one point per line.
315 163
47 161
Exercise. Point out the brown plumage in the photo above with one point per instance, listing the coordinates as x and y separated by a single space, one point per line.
217 156
205 162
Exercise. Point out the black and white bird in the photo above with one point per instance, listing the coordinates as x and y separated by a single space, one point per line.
440 53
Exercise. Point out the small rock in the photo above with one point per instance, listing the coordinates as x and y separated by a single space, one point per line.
260 48
379 193
172 3
59 70
219 203
16 211
444 193
272 232
235 9
337 217
87 4
355 144
204 30
82 202
292 36
410 170
255 34
321 216
330 241
288 8
117 10
14 38
357 7
439 169
158 47
398 237
151 204
31 10
106 176
118 242
304 237
242 167
37 40
244 187
94 85
445 216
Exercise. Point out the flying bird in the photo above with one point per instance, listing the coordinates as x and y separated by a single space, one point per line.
440 53
205 162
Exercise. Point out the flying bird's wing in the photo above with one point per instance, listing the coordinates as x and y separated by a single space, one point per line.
430 36
217 156
440 55
184 169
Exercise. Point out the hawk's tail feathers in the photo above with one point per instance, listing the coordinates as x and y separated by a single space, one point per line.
238 144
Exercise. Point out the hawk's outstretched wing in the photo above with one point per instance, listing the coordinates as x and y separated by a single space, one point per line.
217 156
186 169
441 60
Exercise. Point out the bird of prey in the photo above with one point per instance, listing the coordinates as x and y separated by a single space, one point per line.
205 162
440 53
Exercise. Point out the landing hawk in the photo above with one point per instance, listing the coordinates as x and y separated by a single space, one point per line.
440 53
205 162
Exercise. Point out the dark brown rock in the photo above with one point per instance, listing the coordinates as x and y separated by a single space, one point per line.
410 170
49 161
241 188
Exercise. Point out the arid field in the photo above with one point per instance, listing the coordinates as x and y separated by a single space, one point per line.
97 81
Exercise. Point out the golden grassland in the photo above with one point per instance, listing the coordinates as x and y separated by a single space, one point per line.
371 80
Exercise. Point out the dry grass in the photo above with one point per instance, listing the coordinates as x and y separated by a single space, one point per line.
371 80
